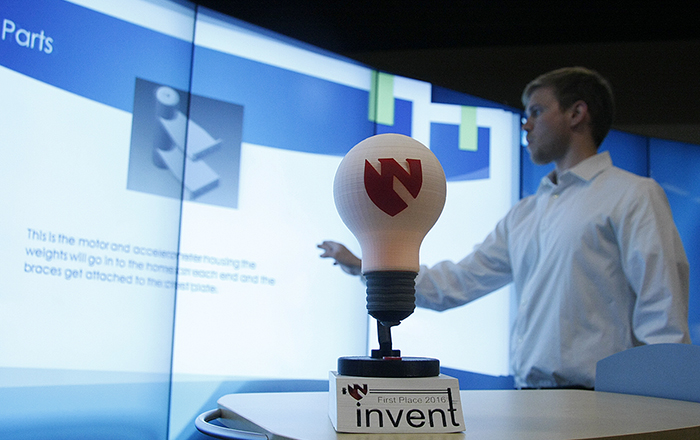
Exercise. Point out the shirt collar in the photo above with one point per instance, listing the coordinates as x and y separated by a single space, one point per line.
585 170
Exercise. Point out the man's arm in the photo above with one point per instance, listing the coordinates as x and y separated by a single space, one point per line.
657 268
447 284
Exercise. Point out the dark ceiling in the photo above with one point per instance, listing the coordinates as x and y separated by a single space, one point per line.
650 51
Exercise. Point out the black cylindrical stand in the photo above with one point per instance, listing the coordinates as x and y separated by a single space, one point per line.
390 299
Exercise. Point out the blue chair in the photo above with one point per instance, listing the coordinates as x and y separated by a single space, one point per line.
670 371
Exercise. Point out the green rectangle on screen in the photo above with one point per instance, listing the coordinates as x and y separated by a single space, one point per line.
381 98
468 133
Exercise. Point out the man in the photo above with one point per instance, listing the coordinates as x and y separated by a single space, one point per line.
594 255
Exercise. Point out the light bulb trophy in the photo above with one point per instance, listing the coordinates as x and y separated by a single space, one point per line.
389 191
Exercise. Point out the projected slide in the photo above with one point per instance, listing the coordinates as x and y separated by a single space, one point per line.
168 180
221 191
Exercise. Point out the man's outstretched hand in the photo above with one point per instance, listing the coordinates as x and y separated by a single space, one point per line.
343 257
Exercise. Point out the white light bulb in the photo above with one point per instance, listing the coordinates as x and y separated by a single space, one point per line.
389 191
407 183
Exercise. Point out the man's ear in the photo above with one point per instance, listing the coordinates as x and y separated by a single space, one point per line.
579 113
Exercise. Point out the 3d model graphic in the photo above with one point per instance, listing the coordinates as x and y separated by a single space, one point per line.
180 142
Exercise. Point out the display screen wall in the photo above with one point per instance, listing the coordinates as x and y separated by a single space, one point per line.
168 175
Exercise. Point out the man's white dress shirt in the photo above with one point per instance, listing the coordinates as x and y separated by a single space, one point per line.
598 267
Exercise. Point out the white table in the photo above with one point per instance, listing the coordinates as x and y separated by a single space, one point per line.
488 414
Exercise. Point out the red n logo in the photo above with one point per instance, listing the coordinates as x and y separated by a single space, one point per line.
380 187
356 391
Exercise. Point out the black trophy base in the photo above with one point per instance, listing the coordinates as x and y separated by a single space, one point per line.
365 366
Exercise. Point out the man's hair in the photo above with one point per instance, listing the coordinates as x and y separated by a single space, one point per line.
571 84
